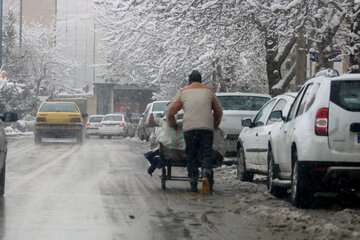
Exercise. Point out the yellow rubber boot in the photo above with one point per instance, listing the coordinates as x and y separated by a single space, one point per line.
205 189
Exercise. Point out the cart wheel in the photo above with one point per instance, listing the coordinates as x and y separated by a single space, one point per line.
163 178
163 183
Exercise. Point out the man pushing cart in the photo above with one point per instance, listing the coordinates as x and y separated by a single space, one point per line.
202 115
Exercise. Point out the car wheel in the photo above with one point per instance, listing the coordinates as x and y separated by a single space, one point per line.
37 138
273 174
2 178
301 197
241 171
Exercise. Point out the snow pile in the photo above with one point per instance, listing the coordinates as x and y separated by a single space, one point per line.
20 128
280 217
9 131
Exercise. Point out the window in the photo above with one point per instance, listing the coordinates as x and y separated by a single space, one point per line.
278 107
244 103
260 118
117 118
58 107
96 119
346 94
295 104
305 99
159 106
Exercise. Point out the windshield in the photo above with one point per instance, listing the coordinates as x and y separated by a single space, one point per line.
113 118
243 103
96 119
58 107
159 106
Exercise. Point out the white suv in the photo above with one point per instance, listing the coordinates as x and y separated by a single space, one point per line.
252 146
317 149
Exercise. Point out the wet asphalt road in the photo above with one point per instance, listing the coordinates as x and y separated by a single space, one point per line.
101 190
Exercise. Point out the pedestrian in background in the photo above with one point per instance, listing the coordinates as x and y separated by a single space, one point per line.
202 114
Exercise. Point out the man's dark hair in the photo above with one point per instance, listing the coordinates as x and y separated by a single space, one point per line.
195 76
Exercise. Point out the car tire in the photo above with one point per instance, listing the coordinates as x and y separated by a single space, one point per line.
301 196
241 171
37 138
273 174
2 178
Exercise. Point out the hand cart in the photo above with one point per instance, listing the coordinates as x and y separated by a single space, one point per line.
177 158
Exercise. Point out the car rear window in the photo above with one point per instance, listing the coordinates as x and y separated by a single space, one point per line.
95 119
58 107
113 118
244 103
346 94
159 106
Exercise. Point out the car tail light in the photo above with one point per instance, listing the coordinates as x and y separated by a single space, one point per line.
122 124
41 119
75 120
322 122
151 119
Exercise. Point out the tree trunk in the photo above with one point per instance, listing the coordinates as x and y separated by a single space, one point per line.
301 60
355 41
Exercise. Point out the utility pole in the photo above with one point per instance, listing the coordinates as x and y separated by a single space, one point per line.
1 32
21 24
94 52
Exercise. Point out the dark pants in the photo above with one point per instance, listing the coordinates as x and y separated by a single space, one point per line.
198 151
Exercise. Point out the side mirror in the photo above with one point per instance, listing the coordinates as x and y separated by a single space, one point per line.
9 117
276 116
247 123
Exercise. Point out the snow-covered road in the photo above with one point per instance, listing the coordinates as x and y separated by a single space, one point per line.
101 190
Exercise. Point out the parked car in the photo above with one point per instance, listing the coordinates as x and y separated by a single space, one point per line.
93 124
113 125
4 118
59 119
252 146
238 106
317 149
151 118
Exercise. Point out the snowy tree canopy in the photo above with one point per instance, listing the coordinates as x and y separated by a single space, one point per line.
236 44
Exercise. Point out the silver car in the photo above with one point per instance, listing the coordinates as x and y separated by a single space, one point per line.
6 117
152 116
238 106
93 124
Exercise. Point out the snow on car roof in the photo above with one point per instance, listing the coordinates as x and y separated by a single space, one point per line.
352 76
242 94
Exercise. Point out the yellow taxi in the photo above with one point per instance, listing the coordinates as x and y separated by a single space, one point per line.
59 120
